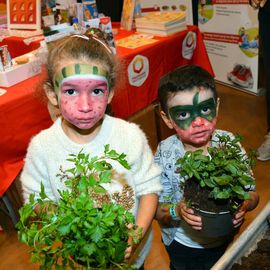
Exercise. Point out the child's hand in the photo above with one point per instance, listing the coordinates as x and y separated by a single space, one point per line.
247 205
239 216
130 250
189 216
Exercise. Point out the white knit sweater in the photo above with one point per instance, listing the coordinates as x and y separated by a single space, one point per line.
49 150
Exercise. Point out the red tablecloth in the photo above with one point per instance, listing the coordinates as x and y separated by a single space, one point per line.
23 115
17 46
163 56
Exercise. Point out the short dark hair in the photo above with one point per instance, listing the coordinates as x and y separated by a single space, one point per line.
184 78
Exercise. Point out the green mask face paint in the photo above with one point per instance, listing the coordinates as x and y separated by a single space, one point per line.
77 69
184 115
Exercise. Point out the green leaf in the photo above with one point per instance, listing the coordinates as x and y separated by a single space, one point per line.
72 226
105 177
91 181
64 229
99 166
42 193
99 189
106 148
241 193
88 249
83 185
209 182
231 168
97 234
113 154
221 194
32 198
79 168
223 180
246 180
124 163
25 212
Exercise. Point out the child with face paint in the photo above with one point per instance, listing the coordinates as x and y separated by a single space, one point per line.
189 105
81 77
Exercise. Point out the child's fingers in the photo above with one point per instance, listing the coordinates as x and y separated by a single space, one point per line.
128 252
189 213
237 222
130 226
192 220
189 216
197 228
238 218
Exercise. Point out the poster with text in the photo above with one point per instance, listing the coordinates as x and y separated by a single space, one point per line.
230 29
168 5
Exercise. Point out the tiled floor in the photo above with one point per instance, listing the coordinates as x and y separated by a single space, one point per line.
240 113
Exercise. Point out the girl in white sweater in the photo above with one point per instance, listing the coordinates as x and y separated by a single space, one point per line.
81 78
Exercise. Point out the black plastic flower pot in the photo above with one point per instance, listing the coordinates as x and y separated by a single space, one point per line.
216 224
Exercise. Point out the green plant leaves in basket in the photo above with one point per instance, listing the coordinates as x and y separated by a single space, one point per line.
85 227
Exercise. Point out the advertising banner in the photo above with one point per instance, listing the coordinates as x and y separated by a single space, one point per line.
230 29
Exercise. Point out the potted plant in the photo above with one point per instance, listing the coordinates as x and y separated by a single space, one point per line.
217 183
87 227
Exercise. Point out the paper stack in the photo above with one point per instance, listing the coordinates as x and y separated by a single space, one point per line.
161 23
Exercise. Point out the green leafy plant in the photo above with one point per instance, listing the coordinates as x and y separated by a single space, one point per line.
225 172
87 227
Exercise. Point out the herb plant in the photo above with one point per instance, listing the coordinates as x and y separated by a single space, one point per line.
226 171
87 226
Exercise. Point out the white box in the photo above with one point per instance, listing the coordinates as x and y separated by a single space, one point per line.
18 73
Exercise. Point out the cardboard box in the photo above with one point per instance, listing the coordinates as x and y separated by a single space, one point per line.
20 72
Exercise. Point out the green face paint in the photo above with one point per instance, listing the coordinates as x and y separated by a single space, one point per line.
184 115
77 69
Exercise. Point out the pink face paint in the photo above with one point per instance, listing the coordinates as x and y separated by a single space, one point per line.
199 129
198 133
83 99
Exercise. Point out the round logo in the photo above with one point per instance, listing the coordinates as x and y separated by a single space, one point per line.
138 70
189 45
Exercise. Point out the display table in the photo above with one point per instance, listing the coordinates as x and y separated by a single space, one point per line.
22 114
18 46
163 56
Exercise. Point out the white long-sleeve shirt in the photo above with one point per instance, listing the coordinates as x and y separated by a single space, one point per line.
48 151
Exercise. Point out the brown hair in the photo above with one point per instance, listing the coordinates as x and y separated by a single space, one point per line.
90 47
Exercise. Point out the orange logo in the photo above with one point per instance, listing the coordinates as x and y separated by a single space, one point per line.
138 65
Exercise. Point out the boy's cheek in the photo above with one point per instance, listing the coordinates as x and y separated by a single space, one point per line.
191 135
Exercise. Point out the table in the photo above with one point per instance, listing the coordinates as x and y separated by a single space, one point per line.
23 115
17 46
163 56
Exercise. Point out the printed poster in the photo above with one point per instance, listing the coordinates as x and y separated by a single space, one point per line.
230 29
135 41
167 6
127 14
23 14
